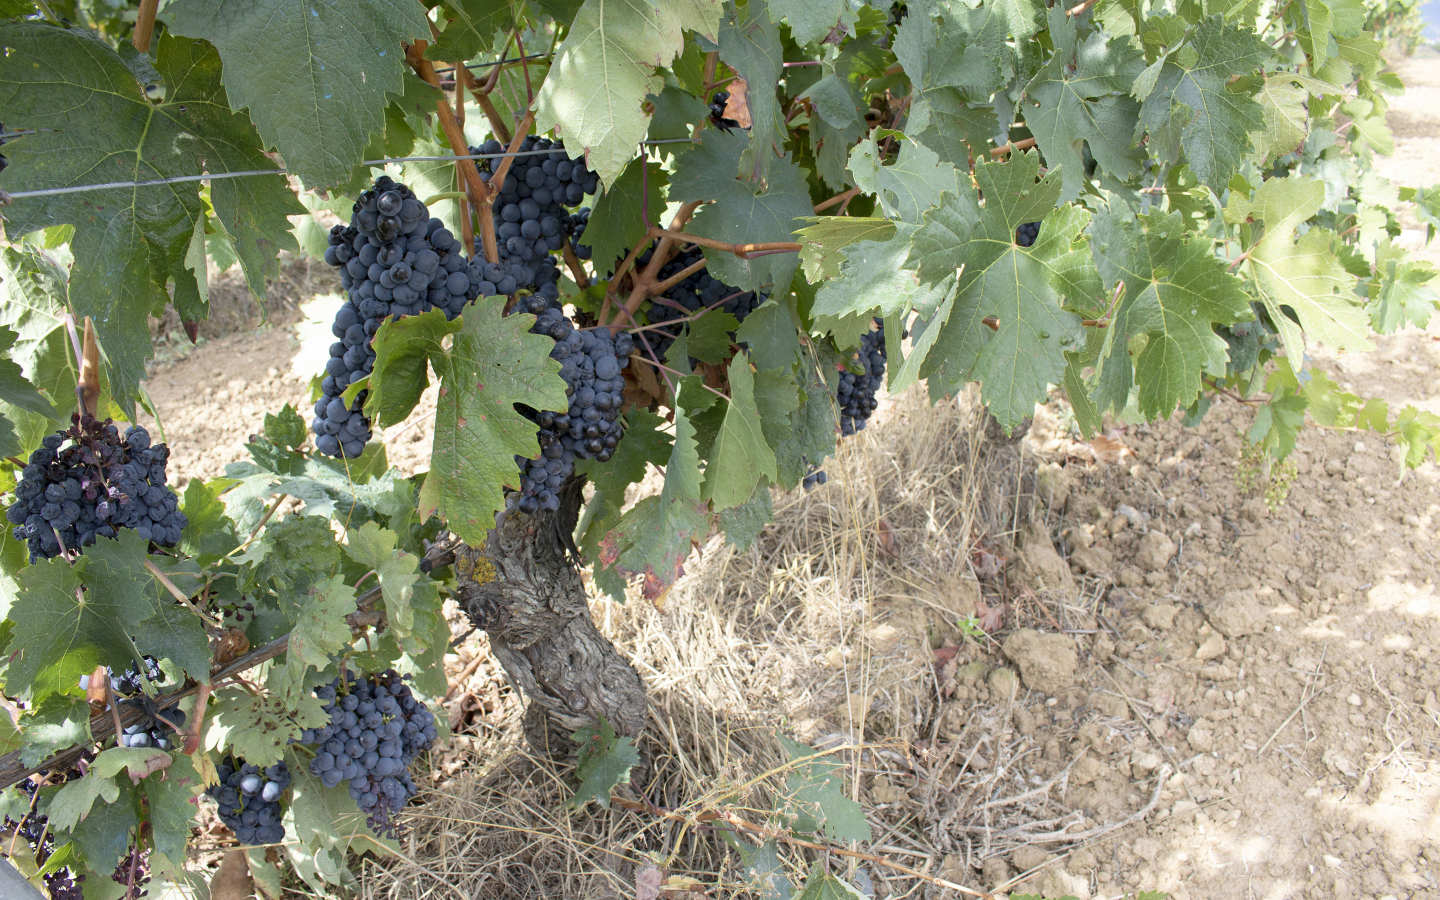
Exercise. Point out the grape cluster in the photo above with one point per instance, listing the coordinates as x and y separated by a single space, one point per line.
157 729
813 479
591 361
717 112
394 260
249 799
699 291
856 392
532 212
1026 234
128 683
376 730
33 828
86 482
133 872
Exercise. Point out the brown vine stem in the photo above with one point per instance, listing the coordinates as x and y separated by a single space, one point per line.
838 199
87 388
101 728
1013 147
481 93
645 282
710 816
497 181
577 268
1079 9
678 277
524 68
180 595
145 25
741 250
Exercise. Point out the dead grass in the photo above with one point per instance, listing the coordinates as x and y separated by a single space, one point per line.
823 630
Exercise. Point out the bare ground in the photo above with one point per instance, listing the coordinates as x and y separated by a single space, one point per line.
1185 690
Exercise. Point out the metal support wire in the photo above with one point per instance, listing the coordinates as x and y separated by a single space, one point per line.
6 197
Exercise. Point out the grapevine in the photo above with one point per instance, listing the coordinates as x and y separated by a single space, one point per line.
634 247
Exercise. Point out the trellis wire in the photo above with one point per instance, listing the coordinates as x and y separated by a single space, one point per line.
6 197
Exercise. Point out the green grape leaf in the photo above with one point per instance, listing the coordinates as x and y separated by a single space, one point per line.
838 124
1304 274
1327 20
873 277
469 28
1082 98
209 533
170 793
76 799
810 438
907 187
1007 327
644 444
104 835
319 631
750 44
821 885
1283 102
764 870
258 727
292 555
404 588
739 214
606 759
491 363
815 795
326 827
604 69
313 74
709 336
1404 294
1176 289
813 20
742 455
1192 105
770 333
653 538
33 304
63 632
52 725
615 222
14 388
742 524
96 125
825 235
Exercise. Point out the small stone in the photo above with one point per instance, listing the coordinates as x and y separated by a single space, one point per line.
1354 700
1133 516
1029 857
1155 551
1004 685
1235 614
1047 662
1201 738
1212 645
1143 762
1042 565
1161 616
1092 561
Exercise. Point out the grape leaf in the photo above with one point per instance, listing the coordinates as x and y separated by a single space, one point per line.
764 871
1327 20
907 187
326 826
827 234
615 222
491 363
770 334
96 125
604 69
14 388
873 277
1019 289
257 727
742 524
1176 289
739 214
76 799
643 445
170 794
741 455
469 28
606 759
209 533
1192 105
55 724
816 797
314 74
319 631
838 123
654 537
404 588
821 885
63 632
810 437
1082 98
1403 295
750 44
1304 274
813 20
104 835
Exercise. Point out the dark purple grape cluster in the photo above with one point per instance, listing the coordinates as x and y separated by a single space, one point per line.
591 362
128 683
394 260
813 479
157 729
532 211
699 291
718 101
575 227
133 872
1026 234
86 482
249 799
856 392
377 727
33 829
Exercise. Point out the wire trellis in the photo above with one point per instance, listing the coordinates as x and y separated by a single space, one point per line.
6 197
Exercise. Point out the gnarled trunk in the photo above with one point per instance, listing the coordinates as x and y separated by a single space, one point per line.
524 589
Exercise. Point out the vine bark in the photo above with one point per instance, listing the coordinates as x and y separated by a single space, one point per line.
523 588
